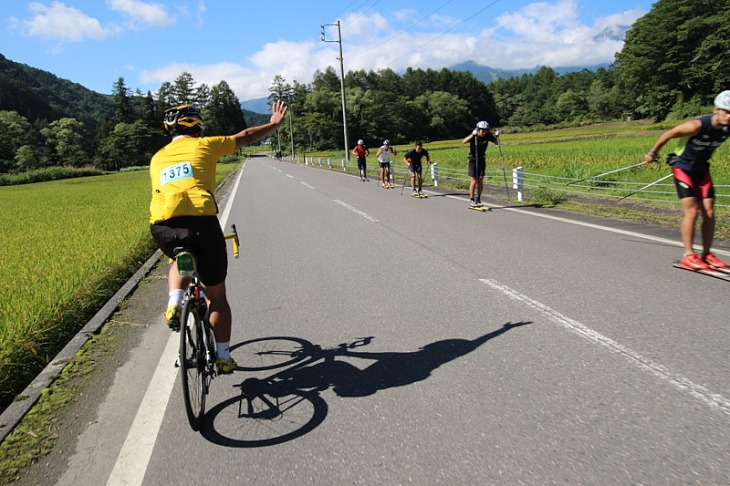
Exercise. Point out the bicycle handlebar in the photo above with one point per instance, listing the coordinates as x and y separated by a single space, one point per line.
236 242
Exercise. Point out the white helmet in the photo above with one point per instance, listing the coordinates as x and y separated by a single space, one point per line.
360 142
483 124
386 142
722 100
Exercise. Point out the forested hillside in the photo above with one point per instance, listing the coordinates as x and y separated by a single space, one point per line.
41 96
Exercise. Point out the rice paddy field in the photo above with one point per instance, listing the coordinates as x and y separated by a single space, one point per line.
67 246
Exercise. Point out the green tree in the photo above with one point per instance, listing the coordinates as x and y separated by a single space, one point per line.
540 97
165 97
674 53
445 114
570 104
328 104
64 139
26 158
123 110
183 90
15 132
223 115
126 146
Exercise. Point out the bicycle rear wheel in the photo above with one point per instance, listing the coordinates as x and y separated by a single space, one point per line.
192 364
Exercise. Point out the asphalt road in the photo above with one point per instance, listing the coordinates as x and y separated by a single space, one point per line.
442 346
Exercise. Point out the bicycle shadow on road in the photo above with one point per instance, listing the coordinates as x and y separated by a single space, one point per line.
288 403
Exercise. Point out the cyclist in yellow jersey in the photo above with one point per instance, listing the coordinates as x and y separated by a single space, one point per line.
183 210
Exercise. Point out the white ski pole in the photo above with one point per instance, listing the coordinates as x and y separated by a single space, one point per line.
646 186
504 172
606 173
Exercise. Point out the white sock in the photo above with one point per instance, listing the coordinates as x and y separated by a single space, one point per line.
175 297
222 351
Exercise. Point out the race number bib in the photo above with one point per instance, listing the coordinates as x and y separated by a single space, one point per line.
176 172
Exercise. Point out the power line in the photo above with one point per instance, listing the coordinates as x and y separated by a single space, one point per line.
394 36
447 31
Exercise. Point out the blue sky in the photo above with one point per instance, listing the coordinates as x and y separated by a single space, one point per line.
94 42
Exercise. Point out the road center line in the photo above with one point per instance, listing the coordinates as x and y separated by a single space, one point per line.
713 400
356 211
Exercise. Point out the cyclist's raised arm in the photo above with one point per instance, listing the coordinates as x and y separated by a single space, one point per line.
254 134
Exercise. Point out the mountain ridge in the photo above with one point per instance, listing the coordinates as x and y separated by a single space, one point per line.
485 74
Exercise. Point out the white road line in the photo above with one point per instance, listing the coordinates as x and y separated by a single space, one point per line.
713 400
306 185
356 211
633 234
224 217
135 454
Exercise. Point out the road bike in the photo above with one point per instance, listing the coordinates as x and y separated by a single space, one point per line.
197 344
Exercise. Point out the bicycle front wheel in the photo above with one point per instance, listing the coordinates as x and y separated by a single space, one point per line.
192 363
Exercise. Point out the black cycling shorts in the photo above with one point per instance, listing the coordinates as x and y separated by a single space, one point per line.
476 169
204 236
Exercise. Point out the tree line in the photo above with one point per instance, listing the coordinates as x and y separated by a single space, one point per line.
129 132
672 64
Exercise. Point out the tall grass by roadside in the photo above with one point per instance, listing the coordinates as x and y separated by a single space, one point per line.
67 246
570 153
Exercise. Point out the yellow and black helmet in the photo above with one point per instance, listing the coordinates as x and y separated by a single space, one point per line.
183 120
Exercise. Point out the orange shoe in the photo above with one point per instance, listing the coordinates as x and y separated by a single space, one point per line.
694 262
713 261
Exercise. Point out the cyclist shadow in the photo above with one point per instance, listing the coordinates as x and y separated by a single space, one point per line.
288 403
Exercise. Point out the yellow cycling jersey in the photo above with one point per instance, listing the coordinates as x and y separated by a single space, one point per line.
182 174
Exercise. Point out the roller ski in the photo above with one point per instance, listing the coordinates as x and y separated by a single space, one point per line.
478 206
709 265
419 195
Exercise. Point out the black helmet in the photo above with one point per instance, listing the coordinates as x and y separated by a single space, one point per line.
183 120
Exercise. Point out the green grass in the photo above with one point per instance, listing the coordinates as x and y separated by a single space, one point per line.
67 247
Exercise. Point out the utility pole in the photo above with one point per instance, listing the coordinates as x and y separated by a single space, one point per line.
291 129
342 83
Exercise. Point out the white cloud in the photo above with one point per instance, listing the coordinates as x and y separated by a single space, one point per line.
201 10
549 34
290 60
147 14
62 23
